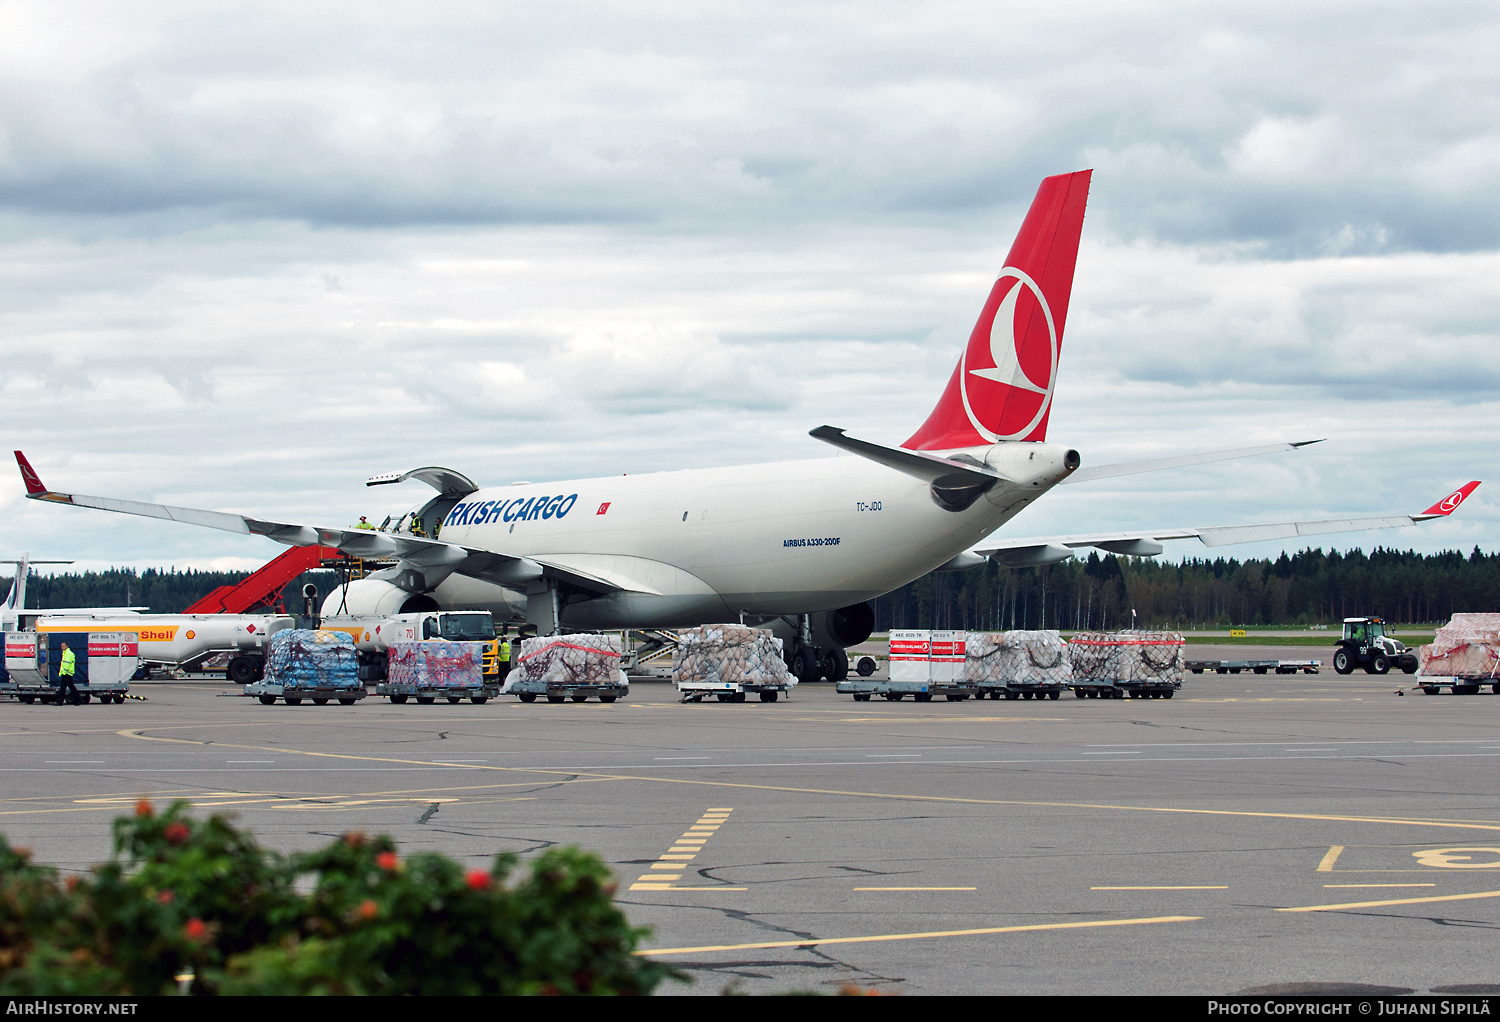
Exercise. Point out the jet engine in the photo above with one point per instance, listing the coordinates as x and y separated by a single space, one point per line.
372 597
842 628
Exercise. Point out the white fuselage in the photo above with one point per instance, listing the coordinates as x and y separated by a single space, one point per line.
709 544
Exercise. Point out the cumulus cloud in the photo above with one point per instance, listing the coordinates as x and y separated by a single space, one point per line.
250 256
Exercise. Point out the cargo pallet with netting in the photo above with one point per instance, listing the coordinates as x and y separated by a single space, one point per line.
1111 665
313 664
730 662
432 669
567 667
1019 664
1464 656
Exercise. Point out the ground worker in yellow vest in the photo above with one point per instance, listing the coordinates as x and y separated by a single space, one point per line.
65 669
364 524
503 660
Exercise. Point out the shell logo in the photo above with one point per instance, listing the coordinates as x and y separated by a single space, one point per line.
190 634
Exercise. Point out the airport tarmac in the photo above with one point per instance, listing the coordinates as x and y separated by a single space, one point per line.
1254 831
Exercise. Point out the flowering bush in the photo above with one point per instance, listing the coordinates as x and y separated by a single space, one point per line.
183 896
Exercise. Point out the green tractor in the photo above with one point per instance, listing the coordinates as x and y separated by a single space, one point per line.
1366 644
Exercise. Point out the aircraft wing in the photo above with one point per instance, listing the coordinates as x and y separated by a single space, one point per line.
432 555
1024 551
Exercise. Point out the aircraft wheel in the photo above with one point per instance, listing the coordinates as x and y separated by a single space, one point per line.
293 700
803 667
835 665
321 701
769 697
1379 665
1343 663
528 697
267 700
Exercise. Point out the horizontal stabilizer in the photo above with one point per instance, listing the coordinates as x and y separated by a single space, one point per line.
1126 468
921 465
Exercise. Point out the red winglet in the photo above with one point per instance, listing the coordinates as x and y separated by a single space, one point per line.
34 487
1450 503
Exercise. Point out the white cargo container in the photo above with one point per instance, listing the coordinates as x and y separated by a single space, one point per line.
103 664
911 655
947 657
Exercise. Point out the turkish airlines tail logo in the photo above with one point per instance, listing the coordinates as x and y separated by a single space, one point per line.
1002 386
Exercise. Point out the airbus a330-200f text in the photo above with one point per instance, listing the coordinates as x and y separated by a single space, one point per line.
799 546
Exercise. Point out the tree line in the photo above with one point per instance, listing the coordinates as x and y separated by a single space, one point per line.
1310 587
166 591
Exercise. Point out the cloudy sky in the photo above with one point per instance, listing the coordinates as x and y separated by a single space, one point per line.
251 254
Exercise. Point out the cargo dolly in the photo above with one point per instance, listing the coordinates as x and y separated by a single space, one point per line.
1255 666
1101 688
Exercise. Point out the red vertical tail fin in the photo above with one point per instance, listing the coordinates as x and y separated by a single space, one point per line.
1002 386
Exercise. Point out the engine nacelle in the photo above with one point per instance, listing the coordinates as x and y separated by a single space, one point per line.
369 597
842 628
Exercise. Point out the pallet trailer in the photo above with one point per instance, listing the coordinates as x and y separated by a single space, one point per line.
1255 666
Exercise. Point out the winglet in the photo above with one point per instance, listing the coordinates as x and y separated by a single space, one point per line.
34 487
1450 503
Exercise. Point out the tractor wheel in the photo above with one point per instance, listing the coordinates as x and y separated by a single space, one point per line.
1379 665
1343 662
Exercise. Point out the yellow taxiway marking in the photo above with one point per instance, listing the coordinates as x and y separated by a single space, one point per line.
1326 866
682 851
674 887
1380 885
1396 901
1179 887
576 777
916 888
816 941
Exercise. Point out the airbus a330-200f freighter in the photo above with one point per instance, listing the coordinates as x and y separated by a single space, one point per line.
802 546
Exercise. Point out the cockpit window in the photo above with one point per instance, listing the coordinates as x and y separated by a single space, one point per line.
467 627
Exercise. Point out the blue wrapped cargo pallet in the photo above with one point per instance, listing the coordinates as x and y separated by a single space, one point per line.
315 664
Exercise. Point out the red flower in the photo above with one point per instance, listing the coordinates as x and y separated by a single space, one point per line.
478 880
195 929
387 861
368 909
177 832
165 897
143 807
